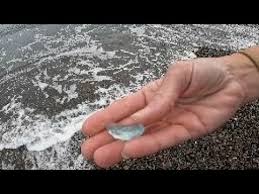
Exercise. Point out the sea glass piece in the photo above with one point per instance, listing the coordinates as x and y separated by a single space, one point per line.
125 132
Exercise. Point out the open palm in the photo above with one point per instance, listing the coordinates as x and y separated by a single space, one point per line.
193 98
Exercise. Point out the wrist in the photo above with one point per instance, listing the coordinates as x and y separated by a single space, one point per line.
246 73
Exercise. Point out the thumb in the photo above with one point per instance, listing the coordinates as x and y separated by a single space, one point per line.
175 81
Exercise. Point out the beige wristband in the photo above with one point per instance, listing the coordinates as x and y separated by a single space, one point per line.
253 54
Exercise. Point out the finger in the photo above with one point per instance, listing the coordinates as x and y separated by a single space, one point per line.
109 154
152 113
173 84
116 111
154 142
176 80
92 144
155 127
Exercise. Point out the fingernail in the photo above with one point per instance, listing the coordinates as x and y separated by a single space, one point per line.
84 125
124 156
84 155
83 152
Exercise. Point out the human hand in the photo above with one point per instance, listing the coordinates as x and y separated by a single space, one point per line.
194 98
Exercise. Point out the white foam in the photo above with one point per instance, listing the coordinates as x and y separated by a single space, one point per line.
138 30
70 92
42 132
49 139
57 87
42 85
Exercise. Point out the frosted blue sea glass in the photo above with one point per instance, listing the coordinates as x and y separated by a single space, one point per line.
125 132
